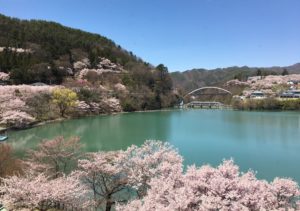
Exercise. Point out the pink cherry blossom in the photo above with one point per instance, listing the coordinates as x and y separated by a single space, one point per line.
148 178
4 76
54 157
39 192
17 119
221 188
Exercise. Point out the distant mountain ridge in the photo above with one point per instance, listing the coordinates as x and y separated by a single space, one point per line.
192 79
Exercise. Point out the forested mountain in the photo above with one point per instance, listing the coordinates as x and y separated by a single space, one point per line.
39 51
192 79
49 42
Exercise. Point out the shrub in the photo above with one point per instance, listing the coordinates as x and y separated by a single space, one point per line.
266 104
40 106
89 95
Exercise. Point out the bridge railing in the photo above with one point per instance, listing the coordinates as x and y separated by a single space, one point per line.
206 104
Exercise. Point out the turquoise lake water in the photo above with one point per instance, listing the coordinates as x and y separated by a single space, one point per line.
266 142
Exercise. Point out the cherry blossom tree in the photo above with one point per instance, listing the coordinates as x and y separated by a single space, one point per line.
17 119
39 192
4 76
221 188
154 159
13 110
148 178
55 157
24 91
110 174
12 104
104 177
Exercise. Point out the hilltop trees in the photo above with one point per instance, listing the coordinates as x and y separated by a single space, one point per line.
258 72
163 80
163 86
285 72
47 49
149 89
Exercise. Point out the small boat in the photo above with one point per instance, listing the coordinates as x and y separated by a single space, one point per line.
3 138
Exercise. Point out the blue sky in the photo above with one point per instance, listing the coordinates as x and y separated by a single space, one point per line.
182 34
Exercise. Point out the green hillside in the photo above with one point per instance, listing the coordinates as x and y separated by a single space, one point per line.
55 45
39 51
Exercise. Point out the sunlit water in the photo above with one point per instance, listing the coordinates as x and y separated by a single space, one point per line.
267 142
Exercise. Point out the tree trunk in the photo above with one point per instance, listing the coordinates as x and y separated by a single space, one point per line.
62 113
109 203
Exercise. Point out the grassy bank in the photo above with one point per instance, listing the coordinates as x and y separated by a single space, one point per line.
267 104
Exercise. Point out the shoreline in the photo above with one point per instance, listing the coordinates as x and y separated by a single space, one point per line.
41 123
37 124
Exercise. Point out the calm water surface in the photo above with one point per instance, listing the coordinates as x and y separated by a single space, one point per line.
266 142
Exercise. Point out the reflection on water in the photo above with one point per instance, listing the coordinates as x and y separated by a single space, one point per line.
267 142
99 133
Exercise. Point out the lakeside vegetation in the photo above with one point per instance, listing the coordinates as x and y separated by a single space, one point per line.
58 175
268 104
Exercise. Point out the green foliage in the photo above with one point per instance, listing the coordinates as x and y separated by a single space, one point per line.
89 95
50 44
284 72
127 80
10 60
129 105
258 72
163 80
